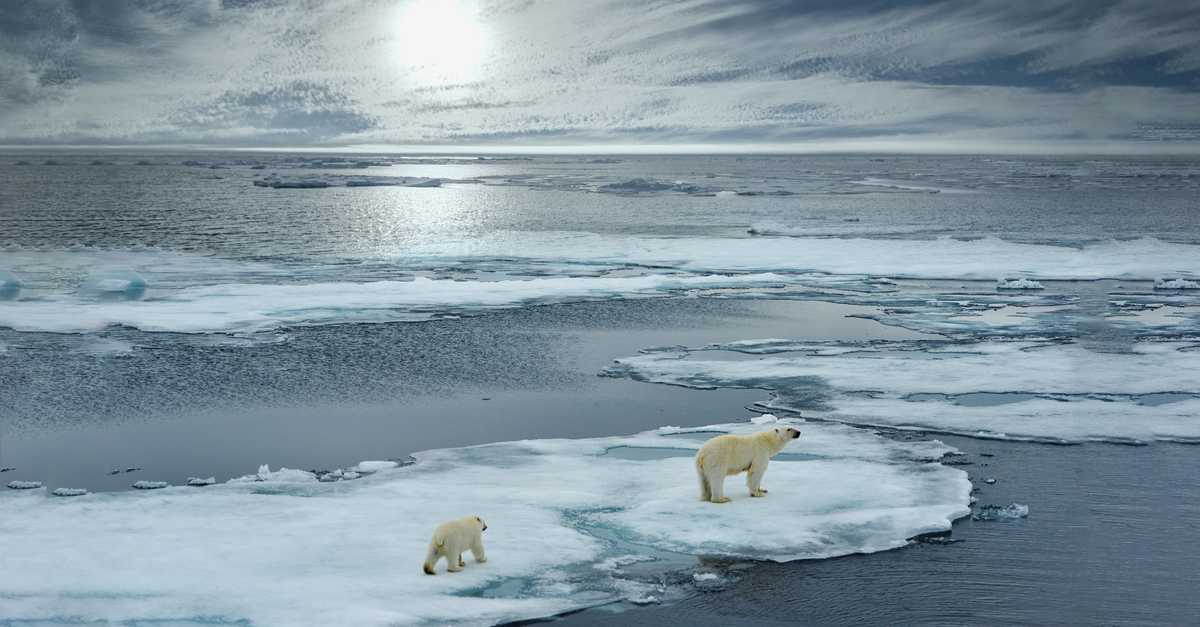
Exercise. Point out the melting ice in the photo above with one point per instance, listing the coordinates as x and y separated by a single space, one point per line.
566 524
1023 390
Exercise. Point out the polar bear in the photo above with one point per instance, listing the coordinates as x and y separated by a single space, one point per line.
450 539
731 454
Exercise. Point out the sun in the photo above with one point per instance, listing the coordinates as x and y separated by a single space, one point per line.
440 40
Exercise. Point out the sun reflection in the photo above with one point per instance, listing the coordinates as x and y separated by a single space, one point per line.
439 39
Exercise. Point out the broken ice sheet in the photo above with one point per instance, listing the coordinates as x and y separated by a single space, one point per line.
257 551
1066 393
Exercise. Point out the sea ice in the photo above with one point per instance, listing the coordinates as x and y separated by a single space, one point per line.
24 485
253 308
150 485
1018 284
564 520
1176 284
999 512
1065 392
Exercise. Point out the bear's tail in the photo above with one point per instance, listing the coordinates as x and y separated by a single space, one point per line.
431 558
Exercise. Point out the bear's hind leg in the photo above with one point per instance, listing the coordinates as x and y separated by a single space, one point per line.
431 559
705 491
717 487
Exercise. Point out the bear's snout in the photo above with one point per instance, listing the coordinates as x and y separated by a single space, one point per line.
795 434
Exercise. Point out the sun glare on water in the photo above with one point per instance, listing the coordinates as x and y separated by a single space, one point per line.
439 39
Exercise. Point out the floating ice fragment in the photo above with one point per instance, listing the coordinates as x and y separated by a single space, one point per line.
1176 284
24 485
196 481
989 481
150 485
116 283
705 576
374 466
9 280
998 512
283 475
1019 284
69 492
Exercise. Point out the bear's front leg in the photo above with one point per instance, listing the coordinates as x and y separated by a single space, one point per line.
753 478
477 551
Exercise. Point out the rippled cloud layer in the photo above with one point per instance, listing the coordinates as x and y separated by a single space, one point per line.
239 73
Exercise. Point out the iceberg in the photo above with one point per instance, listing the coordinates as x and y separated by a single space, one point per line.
566 522
1018 284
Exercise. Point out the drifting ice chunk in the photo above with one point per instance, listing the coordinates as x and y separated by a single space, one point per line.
283 475
116 283
374 466
69 492
9 280
24 485
1019 284
150 485
997 512
196 481
1176 284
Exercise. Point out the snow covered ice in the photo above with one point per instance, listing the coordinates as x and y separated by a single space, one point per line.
564 521
1012 390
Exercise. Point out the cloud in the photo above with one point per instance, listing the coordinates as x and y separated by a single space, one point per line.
334 72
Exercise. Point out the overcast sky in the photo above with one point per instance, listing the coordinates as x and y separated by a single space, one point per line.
308 73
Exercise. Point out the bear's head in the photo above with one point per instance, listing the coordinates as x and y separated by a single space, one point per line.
479 522
786 433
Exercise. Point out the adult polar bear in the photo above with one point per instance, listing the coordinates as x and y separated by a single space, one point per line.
732 454
451 539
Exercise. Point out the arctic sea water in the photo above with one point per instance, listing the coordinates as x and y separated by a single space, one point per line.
167 318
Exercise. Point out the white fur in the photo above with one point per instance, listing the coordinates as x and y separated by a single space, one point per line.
732 454
450 539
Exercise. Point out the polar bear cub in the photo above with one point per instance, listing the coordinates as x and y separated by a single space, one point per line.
450 539
732 454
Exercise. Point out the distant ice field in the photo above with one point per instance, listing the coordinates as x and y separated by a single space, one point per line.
81 289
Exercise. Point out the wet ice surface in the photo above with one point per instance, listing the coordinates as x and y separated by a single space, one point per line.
258 546
1021 390
1110 538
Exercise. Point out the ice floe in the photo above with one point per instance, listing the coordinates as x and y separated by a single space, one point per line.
1018 284
251 307
1176 284
1010 390
566 524
320 182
